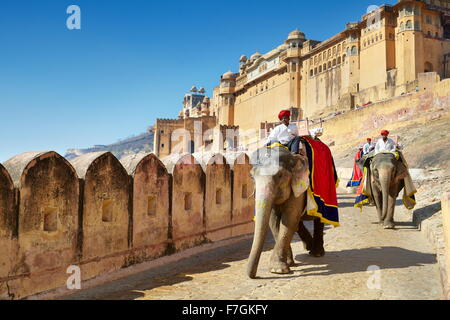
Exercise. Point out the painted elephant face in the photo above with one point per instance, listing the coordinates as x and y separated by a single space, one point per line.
280 174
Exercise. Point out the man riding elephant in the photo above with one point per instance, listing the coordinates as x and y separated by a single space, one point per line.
385 175
284 195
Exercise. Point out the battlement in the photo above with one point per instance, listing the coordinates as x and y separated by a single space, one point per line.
102 214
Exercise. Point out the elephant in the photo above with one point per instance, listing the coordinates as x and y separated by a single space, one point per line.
386 182
281 182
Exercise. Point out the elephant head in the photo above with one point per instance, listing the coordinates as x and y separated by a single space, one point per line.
387 175
280 177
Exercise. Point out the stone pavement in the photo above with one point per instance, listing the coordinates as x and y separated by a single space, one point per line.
408 268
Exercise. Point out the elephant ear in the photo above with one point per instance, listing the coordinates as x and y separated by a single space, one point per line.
401 171
300 175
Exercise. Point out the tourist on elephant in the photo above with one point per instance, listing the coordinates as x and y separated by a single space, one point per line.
385 144
286 133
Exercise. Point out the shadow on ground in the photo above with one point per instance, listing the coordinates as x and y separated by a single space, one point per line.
172 273
358 260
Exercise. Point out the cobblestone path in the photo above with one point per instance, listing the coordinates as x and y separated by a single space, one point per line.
408 268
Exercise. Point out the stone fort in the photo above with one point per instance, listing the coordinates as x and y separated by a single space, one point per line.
370 61
103 214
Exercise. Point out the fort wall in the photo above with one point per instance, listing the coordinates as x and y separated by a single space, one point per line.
101 215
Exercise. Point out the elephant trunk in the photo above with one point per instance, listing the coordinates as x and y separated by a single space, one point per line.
385 181
263 212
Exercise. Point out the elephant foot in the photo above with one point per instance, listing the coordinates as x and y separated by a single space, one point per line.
307 245
291 263
389 226
280 268
285 270
317 252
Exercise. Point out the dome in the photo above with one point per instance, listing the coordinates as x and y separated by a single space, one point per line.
243 59
201 90
296 35
194 89
228 75
255 56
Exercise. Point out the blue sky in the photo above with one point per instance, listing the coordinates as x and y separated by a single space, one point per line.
132 61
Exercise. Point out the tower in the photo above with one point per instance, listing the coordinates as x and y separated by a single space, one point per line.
294 45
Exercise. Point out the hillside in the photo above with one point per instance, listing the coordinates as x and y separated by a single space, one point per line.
140 143
426 145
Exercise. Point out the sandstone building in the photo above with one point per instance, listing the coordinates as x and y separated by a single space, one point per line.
369 61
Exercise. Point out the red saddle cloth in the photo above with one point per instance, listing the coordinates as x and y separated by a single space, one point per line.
357 174
324 181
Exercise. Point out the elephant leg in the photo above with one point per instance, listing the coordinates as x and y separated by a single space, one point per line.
274 224
318 249
305 236
288 225
389 220
377 196
290 257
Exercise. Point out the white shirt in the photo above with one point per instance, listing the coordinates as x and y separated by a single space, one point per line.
381 146
283 133
366 148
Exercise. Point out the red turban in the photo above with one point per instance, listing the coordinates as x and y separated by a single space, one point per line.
283 114
369 139
384 133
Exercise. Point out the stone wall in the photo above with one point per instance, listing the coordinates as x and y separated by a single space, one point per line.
351 128
103 215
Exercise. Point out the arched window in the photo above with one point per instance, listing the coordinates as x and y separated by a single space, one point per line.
409 11
354 51
402 26
329 65
343 58
315 71
334 62
311 73
408 25
339 60
320 69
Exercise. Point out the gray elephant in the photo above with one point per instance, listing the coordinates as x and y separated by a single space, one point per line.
385 181
281 181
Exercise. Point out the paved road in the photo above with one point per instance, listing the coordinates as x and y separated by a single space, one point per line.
408 268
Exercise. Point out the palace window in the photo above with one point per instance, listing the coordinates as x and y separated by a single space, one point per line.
408 25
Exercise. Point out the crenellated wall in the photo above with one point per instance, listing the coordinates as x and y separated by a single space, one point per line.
102 215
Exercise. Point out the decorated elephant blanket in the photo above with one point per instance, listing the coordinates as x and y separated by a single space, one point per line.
357 174
323 182
364 194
